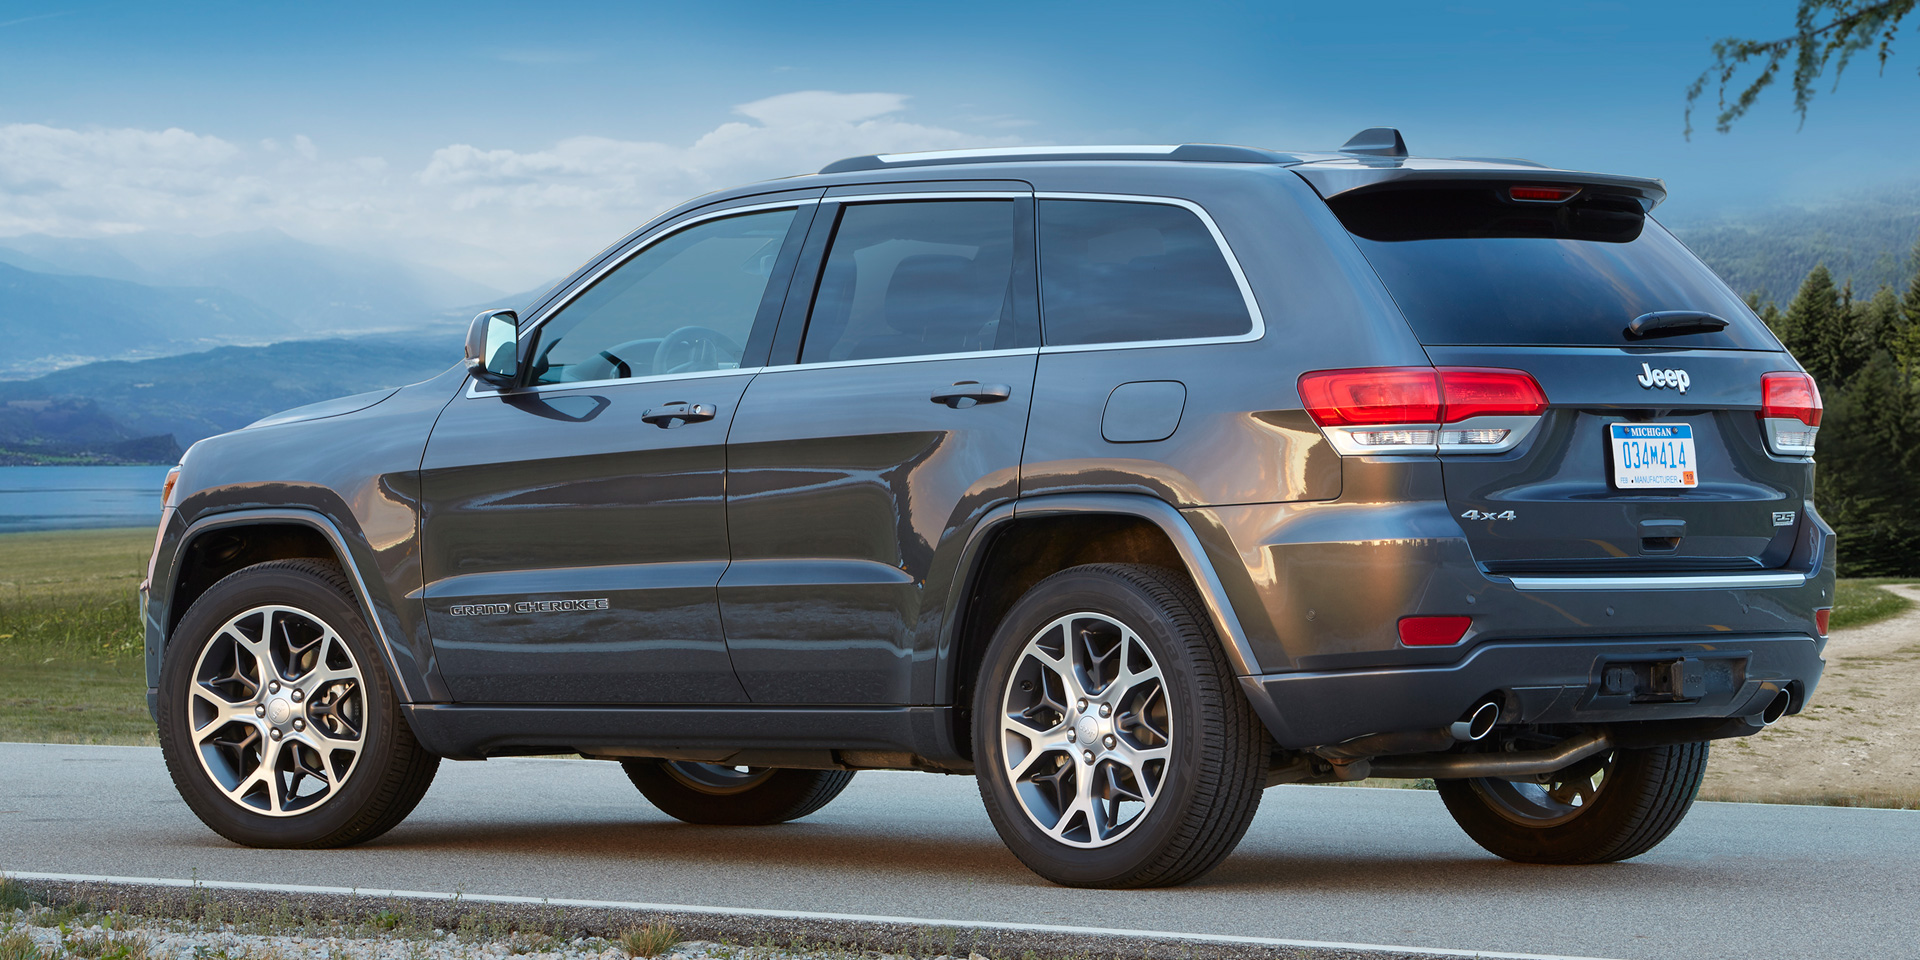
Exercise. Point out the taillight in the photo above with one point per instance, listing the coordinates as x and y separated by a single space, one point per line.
1433 631
1371 395
1789 412
1821 618
1412 409
1488 391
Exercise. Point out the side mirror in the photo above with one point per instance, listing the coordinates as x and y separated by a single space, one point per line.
493 347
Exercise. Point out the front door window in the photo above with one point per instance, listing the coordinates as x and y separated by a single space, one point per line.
682 305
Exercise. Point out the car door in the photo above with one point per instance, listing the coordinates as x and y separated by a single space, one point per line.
889 419
575 525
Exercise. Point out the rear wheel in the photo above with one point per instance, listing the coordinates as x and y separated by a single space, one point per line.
1611 806
1112 744
712 793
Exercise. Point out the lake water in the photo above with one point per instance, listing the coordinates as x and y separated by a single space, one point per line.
69 498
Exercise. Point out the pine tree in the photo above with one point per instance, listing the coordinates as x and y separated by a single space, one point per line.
1905 342
1812 325
1879 327
1869 472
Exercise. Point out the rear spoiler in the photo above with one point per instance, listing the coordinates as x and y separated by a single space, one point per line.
1332 178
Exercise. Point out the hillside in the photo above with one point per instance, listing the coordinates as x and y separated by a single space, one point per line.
197 395
1868 237
318 290
48 320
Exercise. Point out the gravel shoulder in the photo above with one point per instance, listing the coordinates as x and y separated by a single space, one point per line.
1857 744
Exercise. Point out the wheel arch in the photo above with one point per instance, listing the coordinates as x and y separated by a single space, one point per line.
1018 544
215 546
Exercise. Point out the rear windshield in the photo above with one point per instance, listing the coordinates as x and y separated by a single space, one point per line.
1467 265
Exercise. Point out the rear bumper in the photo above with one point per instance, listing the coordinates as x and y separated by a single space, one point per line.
1560 681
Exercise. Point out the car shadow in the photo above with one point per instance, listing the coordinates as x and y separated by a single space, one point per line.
959 855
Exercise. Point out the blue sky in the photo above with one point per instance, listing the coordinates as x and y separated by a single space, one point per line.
507 141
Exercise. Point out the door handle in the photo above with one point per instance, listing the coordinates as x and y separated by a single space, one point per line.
968 393
677 413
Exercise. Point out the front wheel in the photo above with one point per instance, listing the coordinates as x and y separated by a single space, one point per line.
1611 806
718 794
277 719
1112 744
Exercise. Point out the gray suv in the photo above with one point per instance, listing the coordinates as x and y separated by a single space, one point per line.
1128 480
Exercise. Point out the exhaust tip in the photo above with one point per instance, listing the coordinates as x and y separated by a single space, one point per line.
1478 724
1776 709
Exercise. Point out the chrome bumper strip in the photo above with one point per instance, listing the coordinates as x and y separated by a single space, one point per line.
1721 581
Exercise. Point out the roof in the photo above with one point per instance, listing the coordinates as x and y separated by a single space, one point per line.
1373 156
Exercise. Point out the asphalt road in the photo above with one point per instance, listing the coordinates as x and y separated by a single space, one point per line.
1320 863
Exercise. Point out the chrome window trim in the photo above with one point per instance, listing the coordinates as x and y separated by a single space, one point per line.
1737 581
1219 239
915 358
474 390
846 199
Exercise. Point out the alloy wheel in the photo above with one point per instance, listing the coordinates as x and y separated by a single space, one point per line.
277 710
1086 729
1551 798
717 779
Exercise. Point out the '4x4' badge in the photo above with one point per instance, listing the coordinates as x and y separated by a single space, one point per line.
1487 515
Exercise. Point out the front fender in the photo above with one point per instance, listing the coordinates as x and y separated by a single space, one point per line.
410 672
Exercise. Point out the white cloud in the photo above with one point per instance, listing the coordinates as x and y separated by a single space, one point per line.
502 216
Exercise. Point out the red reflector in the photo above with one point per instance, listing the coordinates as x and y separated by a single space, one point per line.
1433 631
1484 391
1821 618
1543 194
1790 396
1371 395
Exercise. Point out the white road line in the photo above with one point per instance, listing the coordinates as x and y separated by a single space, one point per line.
782 915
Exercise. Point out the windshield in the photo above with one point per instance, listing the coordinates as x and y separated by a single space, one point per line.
1469 266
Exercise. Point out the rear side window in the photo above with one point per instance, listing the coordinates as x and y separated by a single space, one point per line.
919 278
1114 271
1469 265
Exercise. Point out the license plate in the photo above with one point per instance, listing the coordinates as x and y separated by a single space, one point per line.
1651 456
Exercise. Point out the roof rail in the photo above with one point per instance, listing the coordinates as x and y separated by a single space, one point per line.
1192 152
1376 142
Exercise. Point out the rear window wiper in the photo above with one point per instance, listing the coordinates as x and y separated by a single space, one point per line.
1672 323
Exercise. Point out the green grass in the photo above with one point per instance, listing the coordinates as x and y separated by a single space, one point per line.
70 640
1857 602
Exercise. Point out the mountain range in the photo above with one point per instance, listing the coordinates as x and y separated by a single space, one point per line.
146 411
66 301
1866 237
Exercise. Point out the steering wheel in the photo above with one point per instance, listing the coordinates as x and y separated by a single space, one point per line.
692 349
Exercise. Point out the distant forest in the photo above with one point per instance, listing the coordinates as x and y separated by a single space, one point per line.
1865 237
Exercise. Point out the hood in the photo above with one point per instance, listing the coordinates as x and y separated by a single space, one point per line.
338 406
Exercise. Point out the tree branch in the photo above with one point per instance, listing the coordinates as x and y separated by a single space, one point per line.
1852 26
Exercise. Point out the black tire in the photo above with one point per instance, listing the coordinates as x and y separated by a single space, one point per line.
718 795
1208 784
366 797
1642 795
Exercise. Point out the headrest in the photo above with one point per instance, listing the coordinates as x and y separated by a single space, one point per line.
933 294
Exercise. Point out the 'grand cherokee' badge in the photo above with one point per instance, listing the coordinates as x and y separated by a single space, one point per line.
525 606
